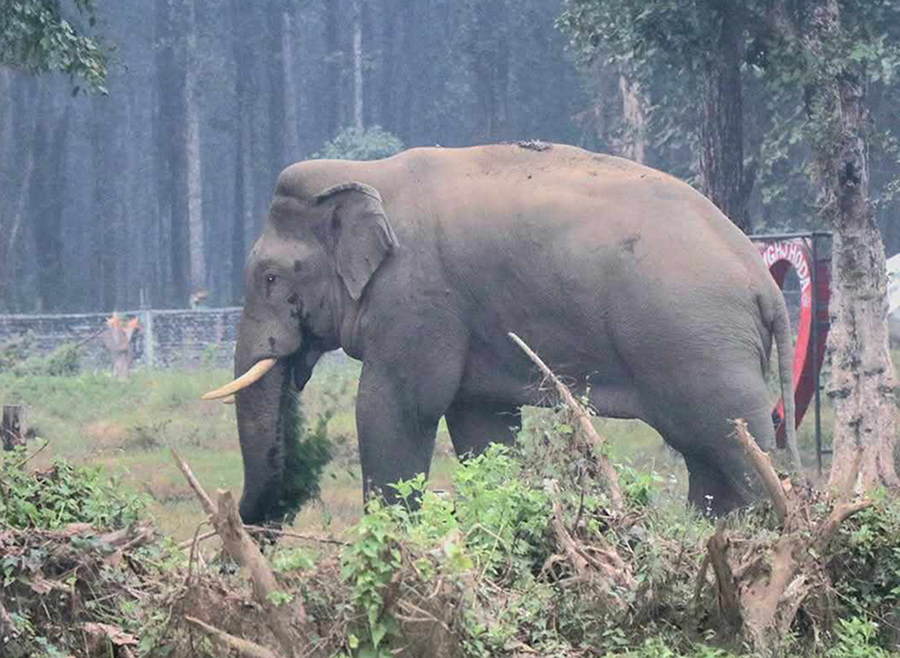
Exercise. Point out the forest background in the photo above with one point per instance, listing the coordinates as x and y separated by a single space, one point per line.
155 191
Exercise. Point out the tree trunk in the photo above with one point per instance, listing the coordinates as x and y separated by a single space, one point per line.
862 375
721 125
357 65
635 140
196 228
243 232
291 97
332 92
24 129
388 66
48 232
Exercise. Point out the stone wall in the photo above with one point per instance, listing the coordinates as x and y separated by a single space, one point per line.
177 338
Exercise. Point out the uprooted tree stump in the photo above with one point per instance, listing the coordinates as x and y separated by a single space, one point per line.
13 426
761 584
284 620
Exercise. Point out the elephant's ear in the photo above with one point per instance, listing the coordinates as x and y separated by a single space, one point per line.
360 233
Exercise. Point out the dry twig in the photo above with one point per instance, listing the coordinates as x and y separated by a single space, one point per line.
584 423
762 464
228 641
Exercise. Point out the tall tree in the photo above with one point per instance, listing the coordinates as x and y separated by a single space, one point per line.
862 375
37 37
358 95
702 41
291 137
193 170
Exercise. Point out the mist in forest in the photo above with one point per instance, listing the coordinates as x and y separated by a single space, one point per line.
152 195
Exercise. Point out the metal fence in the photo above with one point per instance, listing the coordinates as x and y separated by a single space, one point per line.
169 338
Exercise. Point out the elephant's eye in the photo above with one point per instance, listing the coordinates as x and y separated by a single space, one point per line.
270 278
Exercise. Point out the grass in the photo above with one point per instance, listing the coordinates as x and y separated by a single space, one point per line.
128 427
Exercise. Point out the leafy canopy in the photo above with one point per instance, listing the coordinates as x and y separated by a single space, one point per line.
36 36
372 143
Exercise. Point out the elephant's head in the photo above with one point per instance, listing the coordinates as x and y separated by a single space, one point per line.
303 281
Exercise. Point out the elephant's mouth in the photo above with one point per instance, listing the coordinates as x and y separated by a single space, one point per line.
302 363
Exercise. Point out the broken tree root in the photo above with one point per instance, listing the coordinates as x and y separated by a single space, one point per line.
282 618
761 585
598 564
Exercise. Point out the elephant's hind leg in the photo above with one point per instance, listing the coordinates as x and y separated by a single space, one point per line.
721 479
473 424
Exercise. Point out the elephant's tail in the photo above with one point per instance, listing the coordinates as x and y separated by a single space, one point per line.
781 327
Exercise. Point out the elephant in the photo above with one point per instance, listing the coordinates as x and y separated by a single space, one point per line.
627 282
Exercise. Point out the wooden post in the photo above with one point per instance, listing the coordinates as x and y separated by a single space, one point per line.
13 427
149 346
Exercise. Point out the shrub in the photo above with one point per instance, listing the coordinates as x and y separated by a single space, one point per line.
15 351
62 494
865 571
16 358
373 143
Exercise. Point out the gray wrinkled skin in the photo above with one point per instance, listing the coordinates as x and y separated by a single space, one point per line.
626 281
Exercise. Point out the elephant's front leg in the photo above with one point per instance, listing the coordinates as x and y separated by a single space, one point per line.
397 413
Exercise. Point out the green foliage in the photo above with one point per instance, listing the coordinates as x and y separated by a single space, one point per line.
662 647
656 42
36 36
368 566
637 486
15 351
503 516
306 454
16 359
865 567
62 494
287 560
856 638
373 143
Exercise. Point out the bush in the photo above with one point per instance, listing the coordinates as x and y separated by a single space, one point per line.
16 358
865 571
373 143
15 351
62 494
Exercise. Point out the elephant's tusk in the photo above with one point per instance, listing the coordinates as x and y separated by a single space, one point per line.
252 376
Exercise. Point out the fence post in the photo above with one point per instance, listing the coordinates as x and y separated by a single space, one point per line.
149 340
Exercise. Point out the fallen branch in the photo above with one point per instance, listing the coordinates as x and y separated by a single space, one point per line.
276 531
208 506
584 422
228 641
243 550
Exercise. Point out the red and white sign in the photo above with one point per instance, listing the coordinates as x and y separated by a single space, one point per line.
780 256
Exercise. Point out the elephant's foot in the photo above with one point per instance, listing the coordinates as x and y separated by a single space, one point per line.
714 491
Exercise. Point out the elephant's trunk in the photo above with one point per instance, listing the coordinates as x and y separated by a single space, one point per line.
259 428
